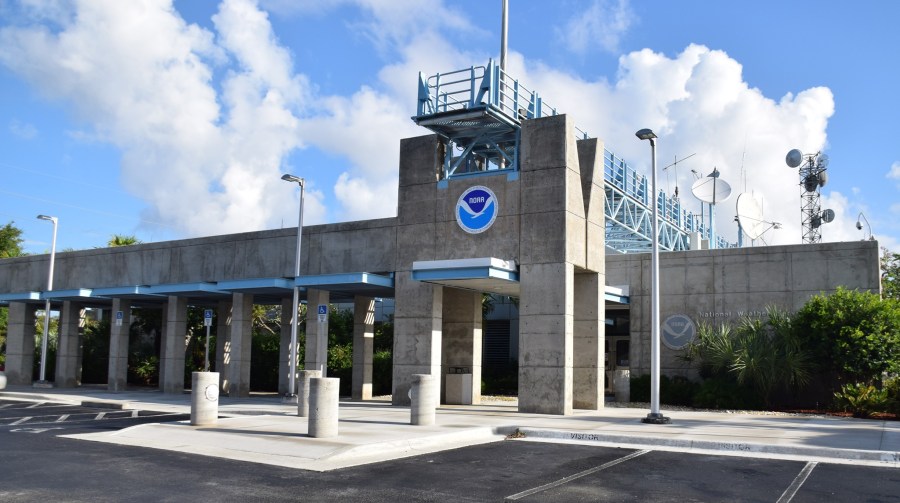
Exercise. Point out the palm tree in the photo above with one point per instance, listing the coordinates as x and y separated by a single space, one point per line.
122 240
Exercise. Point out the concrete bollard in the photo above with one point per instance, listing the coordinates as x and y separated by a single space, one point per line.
204 398
303 391
323 406
423 400
2 379
622 385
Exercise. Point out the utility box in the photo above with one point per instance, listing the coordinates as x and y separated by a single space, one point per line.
459 386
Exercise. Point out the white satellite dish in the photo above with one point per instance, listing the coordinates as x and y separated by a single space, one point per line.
750 216
711 190
794 158
828 216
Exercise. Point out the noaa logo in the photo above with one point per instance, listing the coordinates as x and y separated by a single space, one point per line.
678 331
476 209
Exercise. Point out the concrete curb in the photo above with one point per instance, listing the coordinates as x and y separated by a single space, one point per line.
737 448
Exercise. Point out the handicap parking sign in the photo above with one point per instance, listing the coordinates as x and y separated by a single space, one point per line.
323 313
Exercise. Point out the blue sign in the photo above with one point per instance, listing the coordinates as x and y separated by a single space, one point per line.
678 331
476 209
323 308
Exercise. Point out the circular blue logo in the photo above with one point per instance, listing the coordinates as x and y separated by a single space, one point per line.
678 331
476 209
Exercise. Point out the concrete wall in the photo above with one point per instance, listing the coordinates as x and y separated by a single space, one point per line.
345 247
721 285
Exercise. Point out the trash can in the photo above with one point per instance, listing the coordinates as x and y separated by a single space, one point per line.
458 386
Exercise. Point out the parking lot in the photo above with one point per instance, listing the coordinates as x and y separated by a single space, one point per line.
38 417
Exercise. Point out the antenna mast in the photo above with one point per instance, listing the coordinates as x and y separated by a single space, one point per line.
503 30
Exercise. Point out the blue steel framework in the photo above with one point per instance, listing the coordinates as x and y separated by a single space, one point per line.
478 111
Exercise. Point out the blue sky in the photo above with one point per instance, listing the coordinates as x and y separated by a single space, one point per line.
168 120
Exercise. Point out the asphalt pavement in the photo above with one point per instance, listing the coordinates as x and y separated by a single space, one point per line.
264 429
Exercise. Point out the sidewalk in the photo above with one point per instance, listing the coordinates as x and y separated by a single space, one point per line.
262 429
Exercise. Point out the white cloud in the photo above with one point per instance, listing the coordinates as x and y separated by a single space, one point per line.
894 171
22 130
602 24
206 162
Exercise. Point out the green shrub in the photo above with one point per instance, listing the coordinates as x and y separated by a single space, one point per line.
725 393
382 367
861 399
672 391
892 390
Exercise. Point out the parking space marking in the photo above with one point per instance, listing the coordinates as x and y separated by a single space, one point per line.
791 491
100 415
566 480
20 421
62 418
36 404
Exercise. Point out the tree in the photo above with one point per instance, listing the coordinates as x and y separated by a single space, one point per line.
122 240
11 241
890 274
854 335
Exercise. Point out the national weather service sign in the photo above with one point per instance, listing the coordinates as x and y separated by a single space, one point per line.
678 331
476 209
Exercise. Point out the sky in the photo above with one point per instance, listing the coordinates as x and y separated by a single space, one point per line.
171 119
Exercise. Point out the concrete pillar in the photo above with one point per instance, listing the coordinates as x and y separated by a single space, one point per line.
20 343
241 341
204 398
363 347
284 348
461 348
546 325
118 345
316 332
417 333
223 344
423 398
174 339
622 385
323 406
303 391
588 368
69 345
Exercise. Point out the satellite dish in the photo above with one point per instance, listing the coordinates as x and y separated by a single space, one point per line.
823 178
749 214
822 161
794 158
811 183
711 190
816 222
828 216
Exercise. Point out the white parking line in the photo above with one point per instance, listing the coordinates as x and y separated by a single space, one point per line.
20 421
38 404
578 475
791 491
100 415
62 418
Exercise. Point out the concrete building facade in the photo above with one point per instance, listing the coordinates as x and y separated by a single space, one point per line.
540 238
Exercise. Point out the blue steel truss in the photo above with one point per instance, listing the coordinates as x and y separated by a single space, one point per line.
479 111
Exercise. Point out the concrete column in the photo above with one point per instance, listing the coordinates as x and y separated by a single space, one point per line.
546 338
171 364
417 333
423 400
118 346
316 333
69 345
461 348
204 398
223 344
323 406
303 391
241 341
20 343
588 368
363 347
284 348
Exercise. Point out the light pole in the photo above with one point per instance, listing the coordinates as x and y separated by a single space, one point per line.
292 393
654 417
43 377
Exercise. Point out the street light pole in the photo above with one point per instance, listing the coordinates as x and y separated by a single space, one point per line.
655 416
46 336
296 304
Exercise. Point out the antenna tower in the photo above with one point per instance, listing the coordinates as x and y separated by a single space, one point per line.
813 176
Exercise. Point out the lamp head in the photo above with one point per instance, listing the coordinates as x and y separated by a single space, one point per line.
47 218
645 134
858 225
291 178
